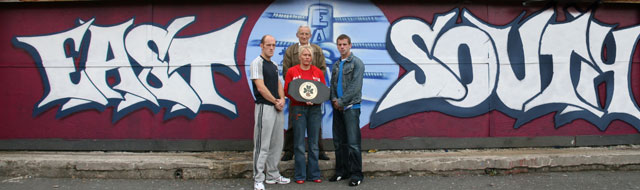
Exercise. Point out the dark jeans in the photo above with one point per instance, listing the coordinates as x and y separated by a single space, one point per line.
288 137
306 119
346 139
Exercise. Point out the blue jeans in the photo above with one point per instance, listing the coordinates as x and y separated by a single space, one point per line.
347 141
306 119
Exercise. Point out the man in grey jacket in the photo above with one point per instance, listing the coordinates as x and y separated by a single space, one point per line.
346 95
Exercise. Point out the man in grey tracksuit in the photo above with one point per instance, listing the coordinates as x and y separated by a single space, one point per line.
268 132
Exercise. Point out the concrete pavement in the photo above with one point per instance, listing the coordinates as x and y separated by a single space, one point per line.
229 164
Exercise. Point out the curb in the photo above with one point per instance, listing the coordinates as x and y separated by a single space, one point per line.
207 165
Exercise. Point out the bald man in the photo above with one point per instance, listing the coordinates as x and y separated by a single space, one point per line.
269 118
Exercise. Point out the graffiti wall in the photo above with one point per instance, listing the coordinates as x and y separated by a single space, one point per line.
163 71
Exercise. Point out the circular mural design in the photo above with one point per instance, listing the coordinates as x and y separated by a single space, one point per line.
365 24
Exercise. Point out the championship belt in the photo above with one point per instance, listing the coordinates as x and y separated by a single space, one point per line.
303 90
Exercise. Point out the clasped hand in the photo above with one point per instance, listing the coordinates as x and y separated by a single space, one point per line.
280 104
335 105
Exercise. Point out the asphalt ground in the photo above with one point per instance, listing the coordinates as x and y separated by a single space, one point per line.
583 180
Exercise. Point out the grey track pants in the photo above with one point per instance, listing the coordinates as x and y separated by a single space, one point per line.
268 137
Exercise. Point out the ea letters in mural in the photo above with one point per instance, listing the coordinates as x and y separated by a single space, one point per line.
526 69
150 67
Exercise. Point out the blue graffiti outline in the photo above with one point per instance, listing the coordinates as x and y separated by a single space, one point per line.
439 104
215 67
423 105
609 117
136 67
35 55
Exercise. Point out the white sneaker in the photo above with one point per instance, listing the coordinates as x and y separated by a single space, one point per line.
258 186
279 180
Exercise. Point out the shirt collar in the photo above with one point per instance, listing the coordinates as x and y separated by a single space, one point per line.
263 59
348 59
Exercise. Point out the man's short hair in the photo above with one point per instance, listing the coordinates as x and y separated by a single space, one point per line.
307 47
264 37
342 37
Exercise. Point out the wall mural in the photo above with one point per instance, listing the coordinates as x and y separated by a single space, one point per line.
327 20
188 65
152 67
526 69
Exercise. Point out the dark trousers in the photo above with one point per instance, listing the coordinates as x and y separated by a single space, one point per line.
288 137
307 121
347 141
